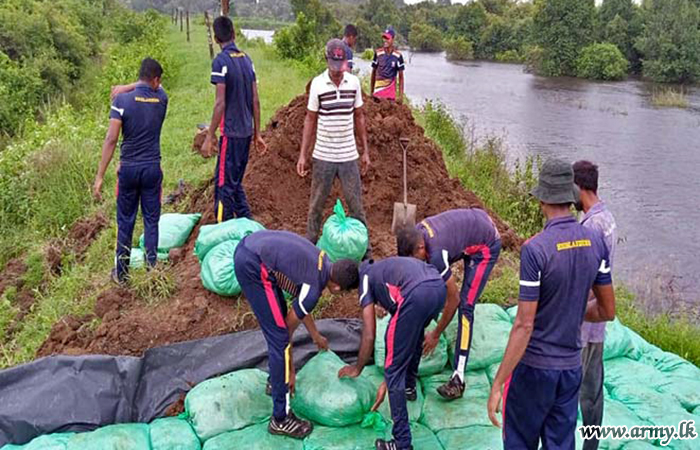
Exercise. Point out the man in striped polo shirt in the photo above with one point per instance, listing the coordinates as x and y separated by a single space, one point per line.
334 117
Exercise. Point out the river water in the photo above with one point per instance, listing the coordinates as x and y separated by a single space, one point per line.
649 157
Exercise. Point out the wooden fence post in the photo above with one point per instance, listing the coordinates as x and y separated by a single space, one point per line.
225 7
209 39
188 25
181 20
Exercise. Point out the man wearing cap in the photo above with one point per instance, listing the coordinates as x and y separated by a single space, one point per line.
350 39
540 375
334 117
597 217
387 66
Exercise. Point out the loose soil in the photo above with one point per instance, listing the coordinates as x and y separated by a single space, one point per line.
279 200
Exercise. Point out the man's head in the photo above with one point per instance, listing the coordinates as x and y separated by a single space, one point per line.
388 36
151 72
350 35
344 276
556 190
410 242
223 30
586 178
336 56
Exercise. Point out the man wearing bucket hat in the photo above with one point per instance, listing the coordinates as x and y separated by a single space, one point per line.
387 66
334 117
540 376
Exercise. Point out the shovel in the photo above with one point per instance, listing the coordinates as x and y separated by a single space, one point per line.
404 213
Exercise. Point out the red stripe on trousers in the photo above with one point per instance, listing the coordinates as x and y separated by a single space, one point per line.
395 293
480 269
505 399
272 298
222 160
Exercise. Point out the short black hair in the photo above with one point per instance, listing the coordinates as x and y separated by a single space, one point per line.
407 240
150 69
586 175
345 272
223 29
350 30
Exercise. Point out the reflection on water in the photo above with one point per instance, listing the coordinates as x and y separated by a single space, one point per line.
648 157
265 35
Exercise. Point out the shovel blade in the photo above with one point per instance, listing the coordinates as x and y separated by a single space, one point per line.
404 216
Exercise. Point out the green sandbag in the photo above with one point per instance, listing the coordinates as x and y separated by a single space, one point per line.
230 402
618 342
232 230
476 437
639 445
680 378
440 414
376 376
343 237
137 259
617 414
429 365
621 371
173 231
491 371
254 437
696 411
346 438
172 433
58 441
512 312
328 400
217 271
492 326
129 436
650 405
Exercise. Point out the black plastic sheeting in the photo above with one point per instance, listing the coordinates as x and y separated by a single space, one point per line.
81 393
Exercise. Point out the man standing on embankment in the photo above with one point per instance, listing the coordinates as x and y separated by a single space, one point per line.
237 115
138 115
387 67
334 116
540 376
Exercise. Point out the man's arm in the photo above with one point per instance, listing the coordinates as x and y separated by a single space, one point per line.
517 344
602 309
307 139
432 338
361 127
372 81
258 141
366 347
219 108
320 341
122 89
110 143
400 86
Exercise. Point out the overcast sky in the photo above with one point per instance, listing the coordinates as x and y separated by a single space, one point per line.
465 1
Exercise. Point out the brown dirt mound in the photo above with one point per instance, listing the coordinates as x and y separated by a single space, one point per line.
279 200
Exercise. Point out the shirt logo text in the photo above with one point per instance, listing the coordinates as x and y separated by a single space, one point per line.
568 245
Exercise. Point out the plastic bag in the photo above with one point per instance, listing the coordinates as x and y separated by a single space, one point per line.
343 237
137 259
617 414
440 414
173 231
254 437
429 365
57 441
211 236
217 270
172 433
415 408
512 312
328 400
230 402
113 437
476 437
618 342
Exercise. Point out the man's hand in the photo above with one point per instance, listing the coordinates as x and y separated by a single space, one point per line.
365 162
302 169
260 145
381 393
349 371
97 188
208 144
430 342
399 99
120 89
321 342
494 404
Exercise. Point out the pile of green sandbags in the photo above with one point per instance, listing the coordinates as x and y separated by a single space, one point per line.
173 231
343 237
429 365
215 247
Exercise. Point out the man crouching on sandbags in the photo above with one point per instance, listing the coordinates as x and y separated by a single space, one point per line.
413 293
266 263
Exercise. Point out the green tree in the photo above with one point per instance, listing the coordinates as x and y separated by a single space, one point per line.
620 23
561 29
670 41
499 36
326 25
470 21
602 62
459 49
369 35
425 38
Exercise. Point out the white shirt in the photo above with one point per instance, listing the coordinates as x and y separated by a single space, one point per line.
335 105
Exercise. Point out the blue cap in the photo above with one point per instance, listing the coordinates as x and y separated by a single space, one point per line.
389 33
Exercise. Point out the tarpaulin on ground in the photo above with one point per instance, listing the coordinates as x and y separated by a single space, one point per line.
81 393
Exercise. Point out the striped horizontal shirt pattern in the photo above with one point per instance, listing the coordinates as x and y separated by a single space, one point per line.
335 105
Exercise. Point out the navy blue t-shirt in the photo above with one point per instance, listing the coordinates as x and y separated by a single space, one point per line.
451 235
234 68
142 112
298 260
389 281
558 268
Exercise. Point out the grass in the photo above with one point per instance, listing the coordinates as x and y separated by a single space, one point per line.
670 97
153 286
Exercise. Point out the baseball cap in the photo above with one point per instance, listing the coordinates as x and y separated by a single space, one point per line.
389 33
336 55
